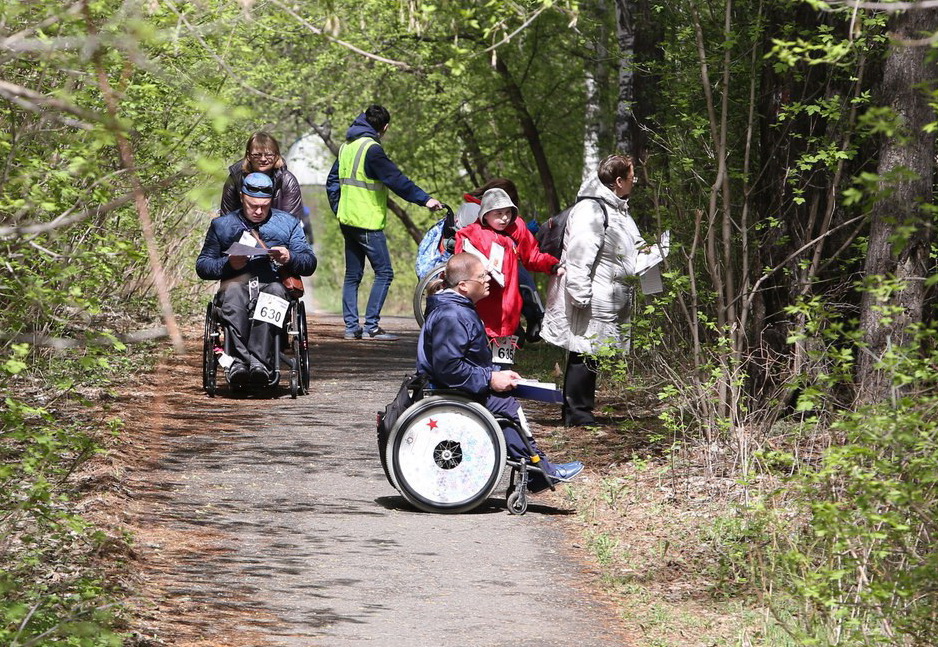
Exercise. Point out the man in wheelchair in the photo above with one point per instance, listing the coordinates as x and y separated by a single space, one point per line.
453 351
246 250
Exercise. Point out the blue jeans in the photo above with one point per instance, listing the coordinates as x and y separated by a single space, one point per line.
373 245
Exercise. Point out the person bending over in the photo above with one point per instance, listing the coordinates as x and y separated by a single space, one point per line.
453 351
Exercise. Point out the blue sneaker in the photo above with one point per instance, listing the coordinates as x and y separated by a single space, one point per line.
353 334
566 471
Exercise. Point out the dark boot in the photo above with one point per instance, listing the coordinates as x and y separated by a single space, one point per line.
579 392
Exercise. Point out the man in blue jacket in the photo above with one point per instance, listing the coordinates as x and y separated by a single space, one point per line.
453 350
269 239
357 187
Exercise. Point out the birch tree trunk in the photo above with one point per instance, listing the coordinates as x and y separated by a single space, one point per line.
591 128
625 106
906 169
596 126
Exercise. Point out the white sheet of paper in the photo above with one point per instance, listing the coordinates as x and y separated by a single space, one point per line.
651 281
497 257
239 249
654 254
271 308
496 273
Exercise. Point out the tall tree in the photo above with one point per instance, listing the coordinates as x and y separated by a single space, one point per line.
902 220
625 105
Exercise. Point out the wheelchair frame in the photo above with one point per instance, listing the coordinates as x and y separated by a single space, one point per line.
428 476
293 337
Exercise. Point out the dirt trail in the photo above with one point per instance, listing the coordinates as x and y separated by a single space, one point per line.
270 522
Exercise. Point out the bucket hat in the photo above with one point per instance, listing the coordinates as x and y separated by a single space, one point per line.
496 199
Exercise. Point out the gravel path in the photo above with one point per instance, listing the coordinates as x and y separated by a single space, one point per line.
270 522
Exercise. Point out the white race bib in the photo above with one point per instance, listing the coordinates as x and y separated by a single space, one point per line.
496 258
503 349
271 309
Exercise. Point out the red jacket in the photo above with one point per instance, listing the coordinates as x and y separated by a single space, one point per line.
501 309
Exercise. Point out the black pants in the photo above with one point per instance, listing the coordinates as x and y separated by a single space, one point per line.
579 390
250 341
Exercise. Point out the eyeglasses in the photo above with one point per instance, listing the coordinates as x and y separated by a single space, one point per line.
483 278
262 156
266 189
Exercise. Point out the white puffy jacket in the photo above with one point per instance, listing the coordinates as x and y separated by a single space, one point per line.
589 304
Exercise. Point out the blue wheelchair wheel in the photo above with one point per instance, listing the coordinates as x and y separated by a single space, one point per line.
446 454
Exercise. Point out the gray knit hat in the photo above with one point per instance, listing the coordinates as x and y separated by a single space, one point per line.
496 199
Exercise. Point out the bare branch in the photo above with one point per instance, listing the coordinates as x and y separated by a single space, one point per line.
889 7
33 101
93 339
42 24
508 38
69 218
792 256
319 32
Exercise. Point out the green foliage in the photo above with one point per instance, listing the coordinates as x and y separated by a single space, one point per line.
850 535
50 590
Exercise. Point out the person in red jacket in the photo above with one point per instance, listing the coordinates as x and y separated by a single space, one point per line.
501 239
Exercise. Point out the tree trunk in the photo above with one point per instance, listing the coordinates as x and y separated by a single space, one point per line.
625 106
596 72
531 133
472 158
906 169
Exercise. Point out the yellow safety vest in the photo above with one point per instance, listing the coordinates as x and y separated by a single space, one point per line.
363 201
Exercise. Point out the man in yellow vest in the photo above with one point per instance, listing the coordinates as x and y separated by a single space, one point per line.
358 193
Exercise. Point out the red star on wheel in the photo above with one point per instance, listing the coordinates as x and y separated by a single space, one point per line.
432 424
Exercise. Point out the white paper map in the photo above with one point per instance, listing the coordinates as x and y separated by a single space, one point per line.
647 261
497 256
239 249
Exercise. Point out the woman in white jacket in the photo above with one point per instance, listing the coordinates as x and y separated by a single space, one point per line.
590 303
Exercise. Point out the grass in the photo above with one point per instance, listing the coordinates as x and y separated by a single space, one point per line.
667 538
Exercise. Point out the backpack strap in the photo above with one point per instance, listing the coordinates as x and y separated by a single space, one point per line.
602 242
602 205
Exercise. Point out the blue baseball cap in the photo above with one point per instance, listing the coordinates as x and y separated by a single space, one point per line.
257 185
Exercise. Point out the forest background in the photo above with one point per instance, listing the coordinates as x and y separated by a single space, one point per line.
788 146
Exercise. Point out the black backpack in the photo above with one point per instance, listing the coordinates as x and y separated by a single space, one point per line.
411 390
550 236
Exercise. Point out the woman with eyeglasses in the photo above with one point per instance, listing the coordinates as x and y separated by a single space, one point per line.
262 155
589 307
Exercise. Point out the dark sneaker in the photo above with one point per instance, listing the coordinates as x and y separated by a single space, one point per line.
353 334
379 334
237 374
260 376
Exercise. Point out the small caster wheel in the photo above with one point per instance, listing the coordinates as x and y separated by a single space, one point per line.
517 502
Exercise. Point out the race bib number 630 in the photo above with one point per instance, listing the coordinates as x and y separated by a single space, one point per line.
271 309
